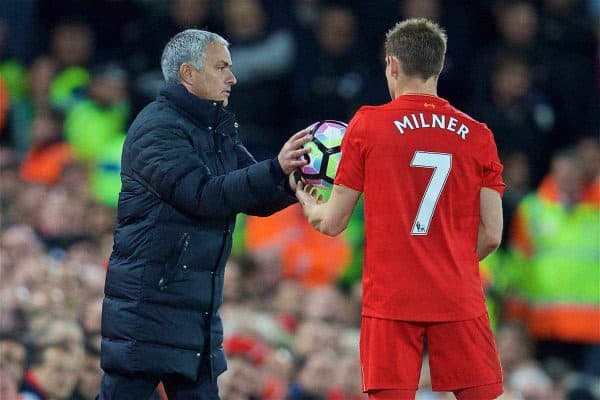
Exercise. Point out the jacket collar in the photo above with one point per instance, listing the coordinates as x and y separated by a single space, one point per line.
206 112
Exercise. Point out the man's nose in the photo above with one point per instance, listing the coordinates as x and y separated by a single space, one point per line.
231 79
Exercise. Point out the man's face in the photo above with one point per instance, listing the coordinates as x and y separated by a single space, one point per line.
215 80
58 372
12 359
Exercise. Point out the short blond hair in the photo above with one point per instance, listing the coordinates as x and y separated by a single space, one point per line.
420 45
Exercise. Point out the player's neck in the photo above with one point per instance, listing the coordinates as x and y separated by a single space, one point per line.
416 86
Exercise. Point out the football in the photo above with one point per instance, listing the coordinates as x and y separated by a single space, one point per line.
325 154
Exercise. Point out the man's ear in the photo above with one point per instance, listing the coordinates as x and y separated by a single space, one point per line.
394 66
185 73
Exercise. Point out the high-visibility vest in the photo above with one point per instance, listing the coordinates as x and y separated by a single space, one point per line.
557 250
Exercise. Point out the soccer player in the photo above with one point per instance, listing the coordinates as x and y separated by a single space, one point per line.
432 183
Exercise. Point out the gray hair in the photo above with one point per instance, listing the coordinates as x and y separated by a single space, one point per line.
188 46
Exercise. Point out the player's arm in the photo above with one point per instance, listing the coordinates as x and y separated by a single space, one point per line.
330 217
490 222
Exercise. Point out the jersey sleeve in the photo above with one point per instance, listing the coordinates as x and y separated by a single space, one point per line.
350 172
492 167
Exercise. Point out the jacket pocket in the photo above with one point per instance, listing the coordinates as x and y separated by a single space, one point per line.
170 267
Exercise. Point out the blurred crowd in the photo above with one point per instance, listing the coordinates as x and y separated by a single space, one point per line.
73 74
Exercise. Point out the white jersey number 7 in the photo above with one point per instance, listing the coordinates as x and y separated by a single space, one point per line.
441 164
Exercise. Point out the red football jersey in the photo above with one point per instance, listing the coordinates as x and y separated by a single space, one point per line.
421 165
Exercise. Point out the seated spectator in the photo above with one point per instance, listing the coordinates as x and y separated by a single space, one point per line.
330 81
105 177
304 254
91 124
53 373
348 377
12 71
90 375
49 154
72 48
518 114
263 60
12 357
314 377
35 101
8 388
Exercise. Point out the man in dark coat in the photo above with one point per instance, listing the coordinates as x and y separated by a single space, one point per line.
185 175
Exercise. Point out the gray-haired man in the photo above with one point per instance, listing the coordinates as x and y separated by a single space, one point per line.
185 175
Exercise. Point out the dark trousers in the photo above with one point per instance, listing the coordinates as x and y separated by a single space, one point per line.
121 387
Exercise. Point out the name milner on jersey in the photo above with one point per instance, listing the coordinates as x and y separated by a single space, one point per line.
419 121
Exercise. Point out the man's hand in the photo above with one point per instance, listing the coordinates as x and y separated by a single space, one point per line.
291 155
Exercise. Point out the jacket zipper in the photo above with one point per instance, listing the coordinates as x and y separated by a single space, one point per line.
169 272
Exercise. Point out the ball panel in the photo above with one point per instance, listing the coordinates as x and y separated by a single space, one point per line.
325 154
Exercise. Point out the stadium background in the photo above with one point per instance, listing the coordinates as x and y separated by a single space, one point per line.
74 73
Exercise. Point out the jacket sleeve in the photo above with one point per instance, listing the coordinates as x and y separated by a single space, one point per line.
282 197
167 161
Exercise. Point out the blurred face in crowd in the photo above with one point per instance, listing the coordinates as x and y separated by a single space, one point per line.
90 376
107 90
40 77
232 287
516 171
518 23
317 374
44 129
336 30
241 381
514 346
12 359
348 375
72 45
568 175
189 13
589 150
244 19
58 372
511 81
324 304
429 9
314 336
215 80
8 387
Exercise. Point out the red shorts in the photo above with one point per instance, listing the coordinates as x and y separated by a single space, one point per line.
462 354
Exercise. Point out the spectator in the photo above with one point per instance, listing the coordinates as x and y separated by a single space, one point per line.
8 388
72 49
303 254
556 250
53 374
263 61
92 124
48 154
12 71
12 357
314 378
518 114
330 88
89 375
36 101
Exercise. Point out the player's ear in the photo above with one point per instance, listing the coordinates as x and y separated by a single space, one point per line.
394 66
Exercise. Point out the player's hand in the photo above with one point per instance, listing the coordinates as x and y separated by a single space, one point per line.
307 195
292 153
294 178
